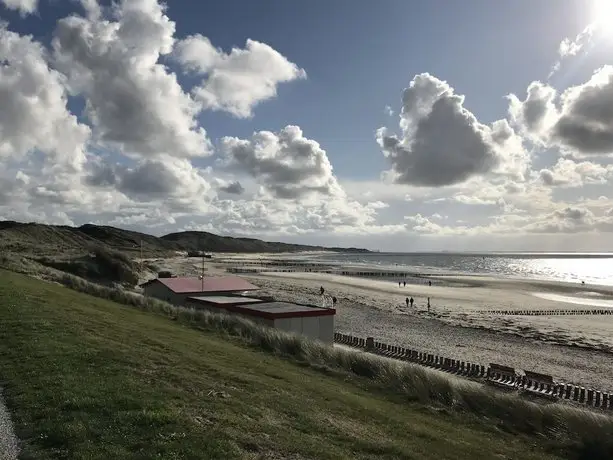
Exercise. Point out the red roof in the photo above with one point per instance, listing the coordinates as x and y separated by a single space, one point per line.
208 284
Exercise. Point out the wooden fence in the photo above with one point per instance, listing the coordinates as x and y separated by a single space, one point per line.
557 390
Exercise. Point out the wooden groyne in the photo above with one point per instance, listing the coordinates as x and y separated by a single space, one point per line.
518 380
556 312
263 267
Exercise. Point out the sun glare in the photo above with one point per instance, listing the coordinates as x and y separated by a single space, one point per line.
603 15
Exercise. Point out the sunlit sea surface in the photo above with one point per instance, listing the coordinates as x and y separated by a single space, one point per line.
591 268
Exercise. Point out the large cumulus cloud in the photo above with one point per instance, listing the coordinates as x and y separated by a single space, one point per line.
33 113
134 103
442 143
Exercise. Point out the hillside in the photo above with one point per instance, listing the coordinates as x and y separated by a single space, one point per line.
210 242
86 378
41 239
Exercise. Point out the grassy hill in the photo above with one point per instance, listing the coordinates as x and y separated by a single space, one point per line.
86 378
41 239
209 242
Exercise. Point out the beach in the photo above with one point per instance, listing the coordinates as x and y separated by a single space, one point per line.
576 349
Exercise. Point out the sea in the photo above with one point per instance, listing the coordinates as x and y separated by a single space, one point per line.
593 268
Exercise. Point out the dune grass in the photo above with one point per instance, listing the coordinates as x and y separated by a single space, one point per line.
86 378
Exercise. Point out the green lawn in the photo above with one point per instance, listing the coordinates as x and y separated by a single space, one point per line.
86 378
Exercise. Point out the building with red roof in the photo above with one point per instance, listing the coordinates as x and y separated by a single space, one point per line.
177 290
309 320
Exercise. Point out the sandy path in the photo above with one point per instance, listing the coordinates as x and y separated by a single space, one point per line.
9 447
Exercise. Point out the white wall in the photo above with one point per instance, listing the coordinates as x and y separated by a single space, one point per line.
316 327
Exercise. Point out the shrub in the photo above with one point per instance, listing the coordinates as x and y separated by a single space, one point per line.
118 264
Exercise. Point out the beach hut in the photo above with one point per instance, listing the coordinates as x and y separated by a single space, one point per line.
309 320
176 290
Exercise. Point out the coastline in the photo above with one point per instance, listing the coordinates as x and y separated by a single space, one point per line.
577 349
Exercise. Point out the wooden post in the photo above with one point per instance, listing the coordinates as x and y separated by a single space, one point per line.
202 290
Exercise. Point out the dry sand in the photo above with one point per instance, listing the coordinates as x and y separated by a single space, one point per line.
577 349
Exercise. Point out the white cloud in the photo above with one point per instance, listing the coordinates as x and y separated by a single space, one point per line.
239 80
286 163
132 101
23 6
569 173
443 143
33 114
536 114
571 47
560 220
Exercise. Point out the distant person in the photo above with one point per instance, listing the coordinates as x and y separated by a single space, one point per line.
429 283
405 283
334 301
321 290
398 283
411 301
428 304
407 301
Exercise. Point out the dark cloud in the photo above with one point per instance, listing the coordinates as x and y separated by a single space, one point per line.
442 143
586 123
233 188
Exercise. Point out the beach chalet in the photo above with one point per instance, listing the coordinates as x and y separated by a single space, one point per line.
177 289
311 321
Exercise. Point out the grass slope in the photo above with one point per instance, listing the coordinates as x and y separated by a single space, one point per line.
86 378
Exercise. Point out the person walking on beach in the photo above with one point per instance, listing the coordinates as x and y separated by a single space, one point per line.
398 283
429 283
321 290
405 283
411 301
428 304
407 301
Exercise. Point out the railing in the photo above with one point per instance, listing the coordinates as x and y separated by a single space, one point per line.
558 390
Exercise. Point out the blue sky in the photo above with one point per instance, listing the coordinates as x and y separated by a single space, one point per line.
358 58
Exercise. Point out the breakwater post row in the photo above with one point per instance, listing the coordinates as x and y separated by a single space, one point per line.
558 312
297 266
530 382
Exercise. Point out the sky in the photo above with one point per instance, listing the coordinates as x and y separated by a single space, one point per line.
401 126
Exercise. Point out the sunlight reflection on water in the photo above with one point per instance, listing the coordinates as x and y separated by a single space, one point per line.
589 269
